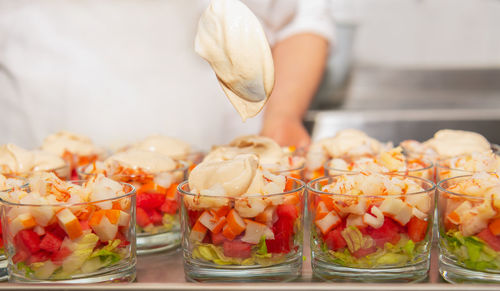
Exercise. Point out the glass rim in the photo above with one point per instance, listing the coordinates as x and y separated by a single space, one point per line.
186 182
66 204
317 180
426 161
440 161
299 168
185 167
441 189
29 173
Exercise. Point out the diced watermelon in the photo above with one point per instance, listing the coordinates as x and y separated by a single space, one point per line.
142 217
334 239
388 232
237 249
169 206
217 238
193 216
364 252
283 231
155 216
492 240
123 240
1 243
84 224
287 211
20 256
150 200
56 230
30 240
1 232
50 243
59 256
40 256
417 229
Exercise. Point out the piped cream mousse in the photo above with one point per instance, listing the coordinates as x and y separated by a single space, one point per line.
231 39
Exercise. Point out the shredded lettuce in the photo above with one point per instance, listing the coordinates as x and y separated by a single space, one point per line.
356 240
169 222
470 251
261 249
215 254
27 270
402 253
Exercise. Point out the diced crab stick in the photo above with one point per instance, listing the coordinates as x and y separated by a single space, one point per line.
328 202
267 216
457 215
105 229
222 211
23 221
485 210
255 231
42 214
376 220
397 210
328 222
419 214
114 216
356 206
420 201
355 220
212 222
250 206
69 222
235 225
198 232
472 224
321 210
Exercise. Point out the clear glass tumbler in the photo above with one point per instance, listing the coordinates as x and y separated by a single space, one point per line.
222 241
71 242
370 238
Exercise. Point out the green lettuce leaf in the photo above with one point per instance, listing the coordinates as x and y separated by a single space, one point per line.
26 269
215 254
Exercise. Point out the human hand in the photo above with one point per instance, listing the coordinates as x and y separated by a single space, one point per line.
286 131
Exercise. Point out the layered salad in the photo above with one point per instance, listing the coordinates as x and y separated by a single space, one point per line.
77 150
371 220
469 209
347 144
448 143
468 164
54 230
238 214
16 161
155 176
388 161
272 157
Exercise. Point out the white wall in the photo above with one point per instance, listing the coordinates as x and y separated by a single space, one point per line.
424 33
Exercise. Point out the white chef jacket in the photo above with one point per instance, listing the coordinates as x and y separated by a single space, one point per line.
120 70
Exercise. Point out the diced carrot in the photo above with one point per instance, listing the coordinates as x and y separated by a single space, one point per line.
495 227
96 217
113 215
172 191
454 217
289 185
151 187
321 211
116 205
327 199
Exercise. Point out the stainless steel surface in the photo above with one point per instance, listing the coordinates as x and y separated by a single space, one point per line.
165 272
399 124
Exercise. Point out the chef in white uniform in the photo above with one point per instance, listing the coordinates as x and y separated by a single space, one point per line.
120 70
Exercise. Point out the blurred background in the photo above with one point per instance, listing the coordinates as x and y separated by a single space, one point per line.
405 68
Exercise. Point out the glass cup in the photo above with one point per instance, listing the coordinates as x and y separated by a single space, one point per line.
225 239
76 161
3 259
469 235
158 223
425 170
71 242
346 246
